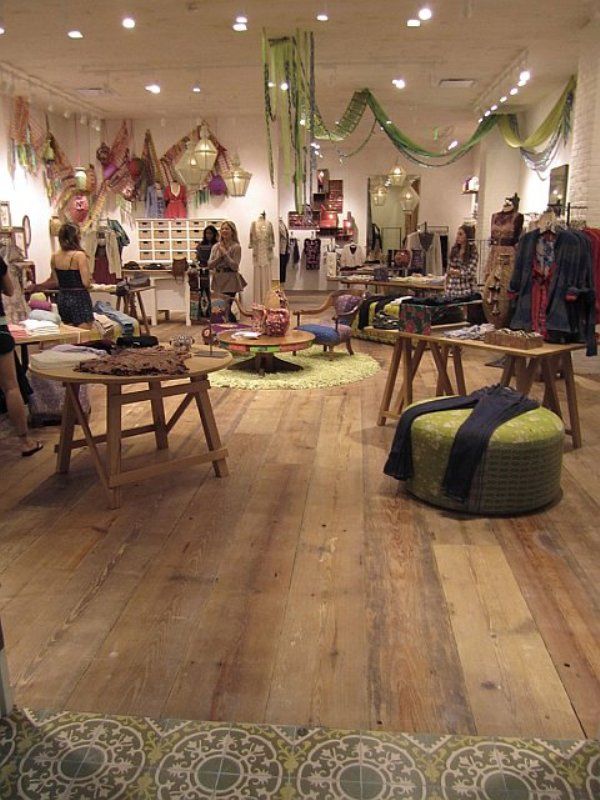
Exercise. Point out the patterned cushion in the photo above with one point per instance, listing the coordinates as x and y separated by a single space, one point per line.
345 305
520 471
324 334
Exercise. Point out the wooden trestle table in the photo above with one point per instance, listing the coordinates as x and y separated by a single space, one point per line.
194 386
522 365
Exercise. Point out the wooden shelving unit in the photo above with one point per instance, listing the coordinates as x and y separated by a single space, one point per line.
162 240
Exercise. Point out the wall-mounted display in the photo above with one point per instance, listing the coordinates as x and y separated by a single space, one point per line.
5 218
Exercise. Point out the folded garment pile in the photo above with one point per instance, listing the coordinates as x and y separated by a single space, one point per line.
149 361
126 322
477 332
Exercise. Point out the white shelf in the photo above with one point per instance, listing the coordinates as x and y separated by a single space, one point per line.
162 240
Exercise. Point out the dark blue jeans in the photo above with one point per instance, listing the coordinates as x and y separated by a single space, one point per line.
492 406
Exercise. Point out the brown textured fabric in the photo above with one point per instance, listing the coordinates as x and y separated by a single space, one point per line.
149 361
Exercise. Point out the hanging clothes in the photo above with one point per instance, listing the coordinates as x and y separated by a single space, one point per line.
175 201
284 250
294 251
110 262
122 238
262 244
426 252
155 201
311 254
353 255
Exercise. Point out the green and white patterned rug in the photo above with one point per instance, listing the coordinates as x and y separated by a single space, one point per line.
319 371
69 756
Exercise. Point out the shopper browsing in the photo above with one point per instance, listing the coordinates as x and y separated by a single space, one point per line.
461 276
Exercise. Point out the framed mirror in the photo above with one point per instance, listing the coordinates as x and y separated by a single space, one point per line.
557 193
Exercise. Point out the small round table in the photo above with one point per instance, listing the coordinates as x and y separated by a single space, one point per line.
263 349
193 385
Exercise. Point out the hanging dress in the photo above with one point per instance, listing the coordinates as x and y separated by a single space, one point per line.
175 203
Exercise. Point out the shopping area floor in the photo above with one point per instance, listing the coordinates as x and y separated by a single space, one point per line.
307 589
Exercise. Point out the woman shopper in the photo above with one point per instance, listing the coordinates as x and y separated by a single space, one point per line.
225 260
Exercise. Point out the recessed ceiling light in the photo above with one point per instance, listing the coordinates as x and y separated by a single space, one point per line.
153 88
522 83
525 75
271 85
487 113
453 144
196 89
514 91
323 17
399 83
425 13
284 86
75 35
302 122
128 22
480 120
494 107
2 30
388 122
242 20
239 26
503 99
413 23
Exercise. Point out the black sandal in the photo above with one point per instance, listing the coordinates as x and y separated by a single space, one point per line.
33 451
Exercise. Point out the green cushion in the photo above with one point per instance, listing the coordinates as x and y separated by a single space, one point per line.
519 472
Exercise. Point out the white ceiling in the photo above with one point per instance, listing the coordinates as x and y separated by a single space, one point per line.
178 43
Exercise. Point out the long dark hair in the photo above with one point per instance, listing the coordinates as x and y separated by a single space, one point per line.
215 234
68 237
470 247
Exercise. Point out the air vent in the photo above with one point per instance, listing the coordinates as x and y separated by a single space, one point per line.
94 91
457 83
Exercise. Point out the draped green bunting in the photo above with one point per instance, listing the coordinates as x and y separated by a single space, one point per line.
291 59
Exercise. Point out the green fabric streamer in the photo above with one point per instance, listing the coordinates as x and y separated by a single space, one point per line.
553 121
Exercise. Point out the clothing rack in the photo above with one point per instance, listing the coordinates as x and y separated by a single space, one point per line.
570 217
424 227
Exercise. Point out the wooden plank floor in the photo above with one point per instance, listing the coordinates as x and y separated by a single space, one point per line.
306 588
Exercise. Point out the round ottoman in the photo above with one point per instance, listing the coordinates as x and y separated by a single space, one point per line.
519 472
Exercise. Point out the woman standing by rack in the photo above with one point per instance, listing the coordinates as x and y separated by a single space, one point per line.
461 277
71 276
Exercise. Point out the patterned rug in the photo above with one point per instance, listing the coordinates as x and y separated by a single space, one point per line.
319 371
70 756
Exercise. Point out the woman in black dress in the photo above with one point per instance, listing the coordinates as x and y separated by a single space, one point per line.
71 276
8 373
209 238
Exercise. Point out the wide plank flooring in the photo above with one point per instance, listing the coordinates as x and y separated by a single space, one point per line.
307 588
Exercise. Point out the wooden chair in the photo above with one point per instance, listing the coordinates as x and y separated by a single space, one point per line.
330 336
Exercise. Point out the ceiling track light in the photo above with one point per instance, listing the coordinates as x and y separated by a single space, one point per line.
453 144
2 30
425 13
153 88
128 23
514 91
399 83
239 27
75 34
196 89
241 20
322 17
525 75
494 107
413 23
503 99
284 86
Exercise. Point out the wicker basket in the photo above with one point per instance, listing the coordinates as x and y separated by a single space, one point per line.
520 340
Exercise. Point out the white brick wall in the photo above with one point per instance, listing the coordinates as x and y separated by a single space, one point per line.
584 181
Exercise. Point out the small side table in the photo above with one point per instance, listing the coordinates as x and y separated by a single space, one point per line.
262 350
193 386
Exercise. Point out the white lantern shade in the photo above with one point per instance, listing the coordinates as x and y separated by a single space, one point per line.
409 199
80 174
189 169
379 195
237 179
205 152
397 176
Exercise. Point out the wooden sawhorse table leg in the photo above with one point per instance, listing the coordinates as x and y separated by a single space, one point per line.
410 363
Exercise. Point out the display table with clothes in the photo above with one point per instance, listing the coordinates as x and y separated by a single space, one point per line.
421 286
130 303
492 452
522 365
65 334
151 387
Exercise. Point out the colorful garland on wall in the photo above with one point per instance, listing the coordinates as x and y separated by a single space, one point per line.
289 62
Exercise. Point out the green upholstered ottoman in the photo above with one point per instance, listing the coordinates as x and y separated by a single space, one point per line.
520 471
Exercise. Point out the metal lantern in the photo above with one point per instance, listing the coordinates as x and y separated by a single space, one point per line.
80 175
397 176
205 152
409 199
379 195
189 169
236 179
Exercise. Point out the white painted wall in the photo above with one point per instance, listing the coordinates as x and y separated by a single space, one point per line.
499 175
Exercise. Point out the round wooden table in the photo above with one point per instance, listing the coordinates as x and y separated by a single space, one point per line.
193 385
263 349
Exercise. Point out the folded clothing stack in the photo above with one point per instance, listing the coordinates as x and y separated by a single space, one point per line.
473 332
148 361
126 322
63 355
45 316
40 327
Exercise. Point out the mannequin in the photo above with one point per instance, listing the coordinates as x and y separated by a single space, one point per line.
262 244
507 226
426 252
175 199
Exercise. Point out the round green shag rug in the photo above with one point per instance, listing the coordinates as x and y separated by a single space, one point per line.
319 371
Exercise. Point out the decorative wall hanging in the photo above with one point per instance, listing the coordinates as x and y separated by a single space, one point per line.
289 91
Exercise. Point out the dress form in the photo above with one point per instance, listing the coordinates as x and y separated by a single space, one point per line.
262 244
506 228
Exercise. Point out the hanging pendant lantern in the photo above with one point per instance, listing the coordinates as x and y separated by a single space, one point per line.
379 195
237 179
397 175
80 175
205 152
189 170
409 199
